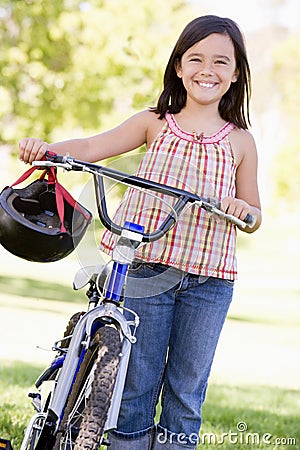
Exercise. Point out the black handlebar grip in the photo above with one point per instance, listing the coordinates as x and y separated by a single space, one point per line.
54 157
250 220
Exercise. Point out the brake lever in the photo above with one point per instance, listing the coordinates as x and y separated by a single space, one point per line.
47 164
213 206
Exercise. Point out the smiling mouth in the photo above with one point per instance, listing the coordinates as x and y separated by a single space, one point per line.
206 85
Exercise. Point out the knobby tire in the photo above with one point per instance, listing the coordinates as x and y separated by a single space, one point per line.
83 422
41 439
70 329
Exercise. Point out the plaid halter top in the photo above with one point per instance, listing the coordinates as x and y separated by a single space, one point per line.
199 243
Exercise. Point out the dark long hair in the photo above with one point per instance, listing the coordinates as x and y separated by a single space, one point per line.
234 105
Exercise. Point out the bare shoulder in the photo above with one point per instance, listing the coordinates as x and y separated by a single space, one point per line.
155 124
243 144
148 124
242 136
146 116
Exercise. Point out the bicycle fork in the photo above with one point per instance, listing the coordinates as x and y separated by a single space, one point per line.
107 312
123 256
81 337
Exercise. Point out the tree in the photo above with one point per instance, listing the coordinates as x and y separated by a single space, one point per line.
73 66
33 63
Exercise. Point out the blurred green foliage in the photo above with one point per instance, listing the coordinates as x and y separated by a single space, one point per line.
286 73
73 65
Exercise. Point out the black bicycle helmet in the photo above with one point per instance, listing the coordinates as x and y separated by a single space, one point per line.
30 224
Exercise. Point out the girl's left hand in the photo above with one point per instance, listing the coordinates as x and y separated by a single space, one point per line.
236 207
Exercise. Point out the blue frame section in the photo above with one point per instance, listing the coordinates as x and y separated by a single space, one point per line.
116 281
46 374
119 270
134 227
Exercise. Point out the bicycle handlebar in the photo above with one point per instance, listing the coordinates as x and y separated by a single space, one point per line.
183 197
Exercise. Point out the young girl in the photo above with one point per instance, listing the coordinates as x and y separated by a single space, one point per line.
196 140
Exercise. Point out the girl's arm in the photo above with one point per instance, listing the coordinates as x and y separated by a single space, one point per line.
129 135
247 199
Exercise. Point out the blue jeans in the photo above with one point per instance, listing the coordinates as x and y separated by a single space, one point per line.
176 342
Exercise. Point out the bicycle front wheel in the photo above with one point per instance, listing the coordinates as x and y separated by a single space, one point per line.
41 436
82 426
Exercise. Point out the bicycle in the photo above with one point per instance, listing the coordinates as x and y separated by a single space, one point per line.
78 396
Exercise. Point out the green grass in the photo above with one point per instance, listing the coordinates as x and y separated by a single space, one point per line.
16 380
267 411
35 288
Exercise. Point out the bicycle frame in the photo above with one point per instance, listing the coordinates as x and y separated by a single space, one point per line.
108 311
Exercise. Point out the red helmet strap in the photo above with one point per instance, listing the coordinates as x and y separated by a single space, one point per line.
61 193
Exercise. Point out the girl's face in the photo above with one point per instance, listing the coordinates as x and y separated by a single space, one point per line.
207 69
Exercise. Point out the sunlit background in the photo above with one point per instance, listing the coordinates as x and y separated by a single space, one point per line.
71 68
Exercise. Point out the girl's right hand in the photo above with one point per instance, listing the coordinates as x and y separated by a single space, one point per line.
32 149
